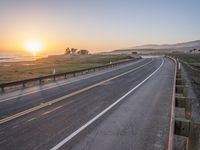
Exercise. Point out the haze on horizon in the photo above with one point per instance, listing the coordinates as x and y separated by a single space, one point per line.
96 25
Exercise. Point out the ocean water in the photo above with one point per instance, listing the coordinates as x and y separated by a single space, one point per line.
9 58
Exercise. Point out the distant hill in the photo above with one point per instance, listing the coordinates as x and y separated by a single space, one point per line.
190 44
156 48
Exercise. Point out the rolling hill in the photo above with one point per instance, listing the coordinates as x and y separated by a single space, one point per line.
152 48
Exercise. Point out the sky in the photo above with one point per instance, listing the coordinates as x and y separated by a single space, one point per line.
96 25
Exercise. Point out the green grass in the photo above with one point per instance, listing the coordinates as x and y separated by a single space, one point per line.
189 58
192 67
196 65
61 63
196 80
61 69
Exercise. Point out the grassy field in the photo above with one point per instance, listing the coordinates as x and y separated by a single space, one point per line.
191 63
191 59
46 66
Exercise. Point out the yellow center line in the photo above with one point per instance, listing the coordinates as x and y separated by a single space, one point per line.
50 111
42 105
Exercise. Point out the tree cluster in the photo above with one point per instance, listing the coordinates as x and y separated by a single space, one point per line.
74 51
194 50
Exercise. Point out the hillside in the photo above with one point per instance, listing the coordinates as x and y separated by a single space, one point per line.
190 44
156 48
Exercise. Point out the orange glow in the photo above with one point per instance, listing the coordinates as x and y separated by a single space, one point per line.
34 46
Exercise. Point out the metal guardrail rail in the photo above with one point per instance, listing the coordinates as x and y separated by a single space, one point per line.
172 114
3 86
184 126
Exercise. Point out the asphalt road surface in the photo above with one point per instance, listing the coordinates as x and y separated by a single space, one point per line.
122 108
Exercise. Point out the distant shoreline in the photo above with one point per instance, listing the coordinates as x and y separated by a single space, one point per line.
4 58
10 59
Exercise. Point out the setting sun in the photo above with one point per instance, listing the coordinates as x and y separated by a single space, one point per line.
34 46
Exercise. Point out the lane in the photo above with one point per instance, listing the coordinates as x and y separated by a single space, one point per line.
141 122
7 108
71 136
44 128
78 94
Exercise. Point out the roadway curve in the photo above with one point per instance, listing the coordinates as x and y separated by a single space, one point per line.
127 107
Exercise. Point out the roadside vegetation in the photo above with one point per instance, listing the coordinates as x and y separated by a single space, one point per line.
54 64
191 63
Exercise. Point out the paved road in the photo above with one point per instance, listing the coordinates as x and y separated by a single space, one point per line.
127 107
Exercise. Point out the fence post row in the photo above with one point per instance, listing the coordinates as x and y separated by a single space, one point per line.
40 79
184 125
2 89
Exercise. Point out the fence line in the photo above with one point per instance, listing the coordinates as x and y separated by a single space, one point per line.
53 77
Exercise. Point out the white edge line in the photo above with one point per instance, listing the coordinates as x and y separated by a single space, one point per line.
51 87
103 112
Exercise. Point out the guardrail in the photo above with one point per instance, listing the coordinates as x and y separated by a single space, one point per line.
185 127
172 115
53 77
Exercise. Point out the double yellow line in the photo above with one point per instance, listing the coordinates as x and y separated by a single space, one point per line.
25 112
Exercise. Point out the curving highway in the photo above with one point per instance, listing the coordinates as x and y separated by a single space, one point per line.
127 107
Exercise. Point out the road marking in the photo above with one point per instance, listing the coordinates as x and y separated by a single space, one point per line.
53 86
52 110
42 105
31 119
103 112
15 126
107 83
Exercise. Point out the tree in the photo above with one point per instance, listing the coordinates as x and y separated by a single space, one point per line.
67 51
134 53
73 50
83 52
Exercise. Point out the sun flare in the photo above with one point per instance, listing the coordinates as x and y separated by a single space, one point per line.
34 46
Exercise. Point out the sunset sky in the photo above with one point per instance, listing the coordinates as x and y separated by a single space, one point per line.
97 25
